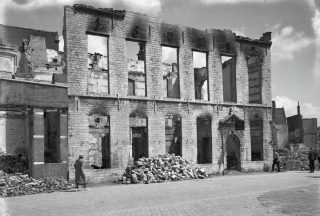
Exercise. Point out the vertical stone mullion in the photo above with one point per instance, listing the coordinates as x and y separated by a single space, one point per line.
37 150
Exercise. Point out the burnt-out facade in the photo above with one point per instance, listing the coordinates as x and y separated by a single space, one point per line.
143 87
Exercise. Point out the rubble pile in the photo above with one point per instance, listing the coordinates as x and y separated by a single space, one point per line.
18 184
14 163
290 160
159 169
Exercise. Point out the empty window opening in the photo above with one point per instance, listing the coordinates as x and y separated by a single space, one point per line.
131 87
98 53
136 67
139 137
99 141
256 133
200 67
98 77
204 143
229 79
7 63
170 72
173 135
51 137
254 76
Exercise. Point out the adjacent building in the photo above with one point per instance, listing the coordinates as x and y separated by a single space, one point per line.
33 99
310 132
302 131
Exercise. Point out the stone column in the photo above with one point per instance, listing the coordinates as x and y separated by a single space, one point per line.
37 144
63 156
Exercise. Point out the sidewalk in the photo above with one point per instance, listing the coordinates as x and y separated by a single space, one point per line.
223 195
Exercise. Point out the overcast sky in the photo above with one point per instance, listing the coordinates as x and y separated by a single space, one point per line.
295 26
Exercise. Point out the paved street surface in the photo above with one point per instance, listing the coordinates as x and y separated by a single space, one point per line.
287 193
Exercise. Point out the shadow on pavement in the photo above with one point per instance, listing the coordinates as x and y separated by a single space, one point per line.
294 201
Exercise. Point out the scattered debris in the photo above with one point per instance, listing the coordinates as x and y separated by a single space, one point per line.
290 160
18 184
159 169
14 163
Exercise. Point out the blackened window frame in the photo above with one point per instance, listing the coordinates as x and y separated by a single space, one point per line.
258 58
100 34
178 71
232 56
207 67
130 39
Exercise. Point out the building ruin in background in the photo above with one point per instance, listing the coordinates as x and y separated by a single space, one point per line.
33 99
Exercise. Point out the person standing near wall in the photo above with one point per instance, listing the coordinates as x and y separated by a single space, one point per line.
80 177
312 156
318 155
276 161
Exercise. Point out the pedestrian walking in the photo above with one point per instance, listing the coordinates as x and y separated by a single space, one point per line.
80 177
276 161
312 157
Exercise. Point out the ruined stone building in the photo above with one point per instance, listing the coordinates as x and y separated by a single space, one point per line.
318 137
139 87
302 131
33 99
295 127
280 127
310 132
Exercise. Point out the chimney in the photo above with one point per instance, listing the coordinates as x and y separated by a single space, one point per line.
266 37
273 108
298 108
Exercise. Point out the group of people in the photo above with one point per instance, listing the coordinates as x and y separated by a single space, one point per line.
313 155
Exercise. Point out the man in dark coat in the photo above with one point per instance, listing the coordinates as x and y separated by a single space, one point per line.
80 178
276 161
312 156
318 155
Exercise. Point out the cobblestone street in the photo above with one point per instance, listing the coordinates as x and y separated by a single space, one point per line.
248 194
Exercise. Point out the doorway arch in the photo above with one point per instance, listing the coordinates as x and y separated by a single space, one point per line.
233 152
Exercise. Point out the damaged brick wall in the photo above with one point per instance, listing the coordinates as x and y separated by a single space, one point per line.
12 130
119 105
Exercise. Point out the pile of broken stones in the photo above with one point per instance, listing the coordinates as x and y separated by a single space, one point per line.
18 184
291 160
160 169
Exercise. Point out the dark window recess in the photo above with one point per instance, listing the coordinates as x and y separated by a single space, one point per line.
136 68
229 79
131 87
255 79
201 85
51 137
173 135
256 133
99 141
204 141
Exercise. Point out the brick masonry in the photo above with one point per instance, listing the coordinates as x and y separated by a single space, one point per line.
116 104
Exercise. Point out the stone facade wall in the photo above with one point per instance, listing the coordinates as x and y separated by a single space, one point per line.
12 131
116 104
